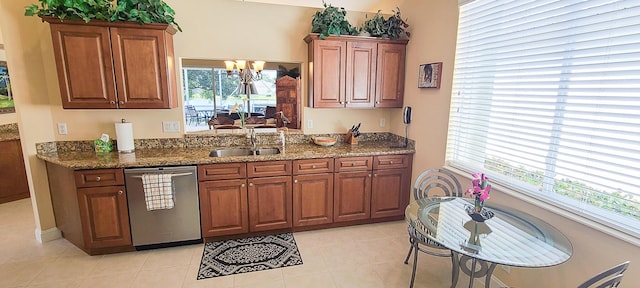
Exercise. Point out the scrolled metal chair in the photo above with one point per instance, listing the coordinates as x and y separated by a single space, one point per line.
607 279
430 183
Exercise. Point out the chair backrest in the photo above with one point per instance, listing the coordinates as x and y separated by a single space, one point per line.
607 279
436 182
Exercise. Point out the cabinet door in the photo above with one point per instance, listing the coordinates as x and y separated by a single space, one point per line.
352 196
104 216
328 73
360 73
223 207
270 202
144 68
312 199
85 66
390 75
13 178
390 192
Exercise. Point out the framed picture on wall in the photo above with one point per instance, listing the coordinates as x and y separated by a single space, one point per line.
429 75
6 98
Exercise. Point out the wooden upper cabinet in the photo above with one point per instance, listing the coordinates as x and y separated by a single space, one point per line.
390 76
327 84
361 71
356 72
114 65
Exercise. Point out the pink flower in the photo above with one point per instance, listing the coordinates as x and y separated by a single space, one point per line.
481 187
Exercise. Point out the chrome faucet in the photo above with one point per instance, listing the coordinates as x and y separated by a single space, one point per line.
253 139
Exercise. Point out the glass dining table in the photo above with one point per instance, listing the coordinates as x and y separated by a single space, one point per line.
511 237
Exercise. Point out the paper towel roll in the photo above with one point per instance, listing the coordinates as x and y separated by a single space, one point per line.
124 135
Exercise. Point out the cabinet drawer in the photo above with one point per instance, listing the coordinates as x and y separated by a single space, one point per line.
312 166
222 171
268 168
392 161
353 164
100 177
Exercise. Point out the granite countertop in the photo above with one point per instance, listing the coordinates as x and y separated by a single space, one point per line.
9 132
79 160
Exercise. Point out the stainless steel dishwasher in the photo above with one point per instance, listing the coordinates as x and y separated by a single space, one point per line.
166 227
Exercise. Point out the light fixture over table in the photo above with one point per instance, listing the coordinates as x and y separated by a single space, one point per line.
246 75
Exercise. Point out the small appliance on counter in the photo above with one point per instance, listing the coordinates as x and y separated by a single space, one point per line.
406 119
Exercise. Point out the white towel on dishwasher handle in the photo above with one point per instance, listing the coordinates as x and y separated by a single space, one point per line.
158 191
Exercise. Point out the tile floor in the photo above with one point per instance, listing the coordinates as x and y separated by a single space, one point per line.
359 256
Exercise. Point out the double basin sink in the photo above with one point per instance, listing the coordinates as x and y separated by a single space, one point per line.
243 152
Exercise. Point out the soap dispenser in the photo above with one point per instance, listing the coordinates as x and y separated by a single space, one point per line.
282 139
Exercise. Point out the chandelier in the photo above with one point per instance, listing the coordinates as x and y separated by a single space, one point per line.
246 75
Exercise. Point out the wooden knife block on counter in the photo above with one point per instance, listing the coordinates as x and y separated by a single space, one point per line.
350 138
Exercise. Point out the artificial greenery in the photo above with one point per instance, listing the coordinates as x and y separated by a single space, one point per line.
393 27
331 21
140 11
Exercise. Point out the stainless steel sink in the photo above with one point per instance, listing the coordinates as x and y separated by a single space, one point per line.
243 152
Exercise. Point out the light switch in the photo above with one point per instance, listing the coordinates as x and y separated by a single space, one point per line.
309 123
170 126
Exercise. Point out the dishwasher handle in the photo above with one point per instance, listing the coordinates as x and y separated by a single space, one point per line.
172 175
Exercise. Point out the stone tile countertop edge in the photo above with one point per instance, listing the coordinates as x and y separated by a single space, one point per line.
81 158
9 132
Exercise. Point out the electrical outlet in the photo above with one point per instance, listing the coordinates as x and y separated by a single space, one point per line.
170 126
383 122
309 123
62 128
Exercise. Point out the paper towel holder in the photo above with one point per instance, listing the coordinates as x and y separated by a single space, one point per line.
125 141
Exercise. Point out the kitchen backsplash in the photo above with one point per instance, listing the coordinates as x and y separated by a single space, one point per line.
212 140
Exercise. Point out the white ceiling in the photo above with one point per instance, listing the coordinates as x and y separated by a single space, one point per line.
351 5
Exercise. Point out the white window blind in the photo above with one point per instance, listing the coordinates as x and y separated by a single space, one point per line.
546 99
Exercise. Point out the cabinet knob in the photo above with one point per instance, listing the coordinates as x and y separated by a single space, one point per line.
242 185
98 179
295 181
377 102
369 175
375 175
390 162
341 102
121 102
112 102
251 184
348 102
120 192
313 166
353 164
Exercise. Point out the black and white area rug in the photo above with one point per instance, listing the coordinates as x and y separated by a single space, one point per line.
248 255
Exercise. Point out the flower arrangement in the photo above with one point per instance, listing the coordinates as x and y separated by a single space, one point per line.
238 108
480 190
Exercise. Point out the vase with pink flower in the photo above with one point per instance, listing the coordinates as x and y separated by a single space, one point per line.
480 193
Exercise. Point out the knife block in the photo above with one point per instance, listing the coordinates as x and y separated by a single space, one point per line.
350 138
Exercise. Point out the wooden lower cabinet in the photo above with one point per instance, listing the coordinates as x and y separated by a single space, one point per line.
352 196
105 216
223 207
390 192
13 179
90 208
312 199
270 201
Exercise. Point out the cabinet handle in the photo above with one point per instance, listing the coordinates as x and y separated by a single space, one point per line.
112 102
98 179
120 192
295 181
242 185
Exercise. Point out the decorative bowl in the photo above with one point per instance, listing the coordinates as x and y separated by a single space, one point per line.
481 216
324 141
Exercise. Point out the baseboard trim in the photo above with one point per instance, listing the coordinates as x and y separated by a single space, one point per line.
48 235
